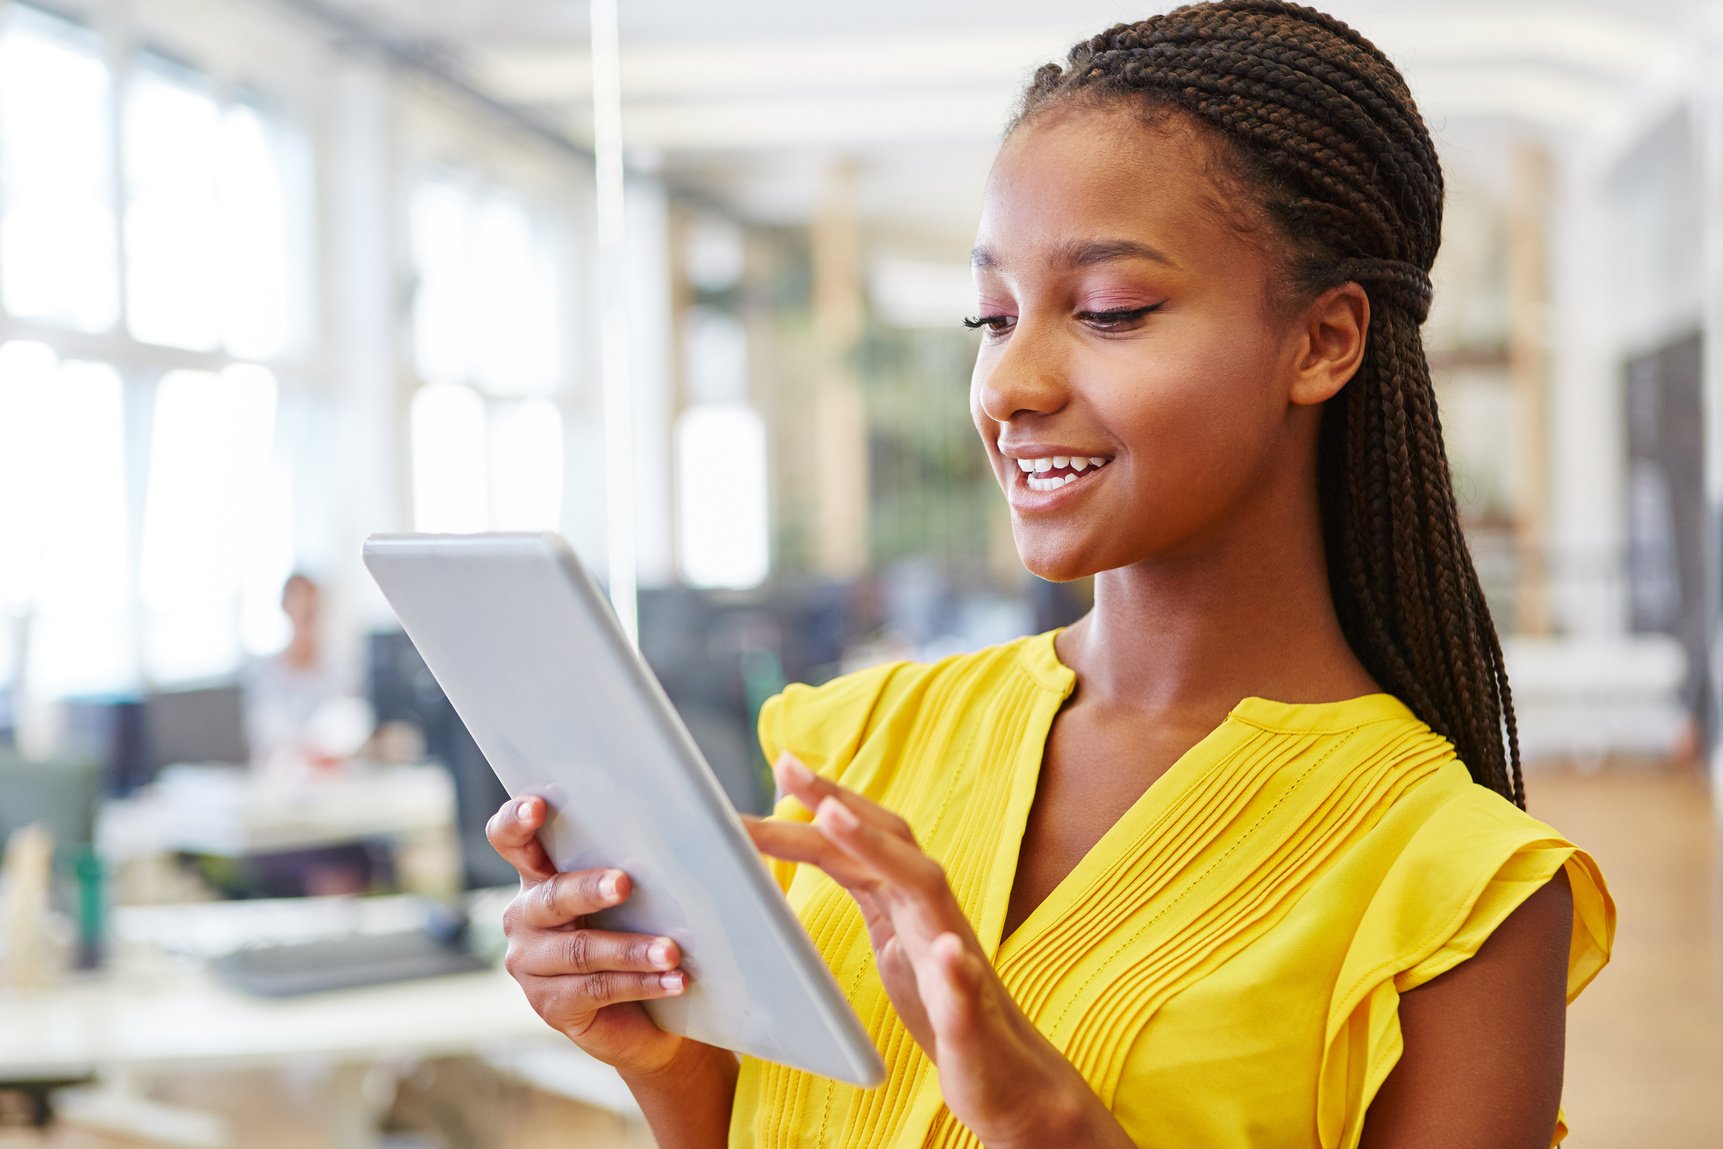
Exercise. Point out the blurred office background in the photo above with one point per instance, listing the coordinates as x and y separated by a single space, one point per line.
279 274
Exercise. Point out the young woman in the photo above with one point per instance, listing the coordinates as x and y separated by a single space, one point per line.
1240 858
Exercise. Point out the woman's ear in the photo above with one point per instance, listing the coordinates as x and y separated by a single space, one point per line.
1331 340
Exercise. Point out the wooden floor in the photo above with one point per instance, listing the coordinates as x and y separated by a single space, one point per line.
1645 1041
1645 1055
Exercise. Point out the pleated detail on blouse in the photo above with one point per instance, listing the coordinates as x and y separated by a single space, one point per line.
1339 846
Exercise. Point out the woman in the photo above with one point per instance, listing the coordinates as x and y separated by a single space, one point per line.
1240 858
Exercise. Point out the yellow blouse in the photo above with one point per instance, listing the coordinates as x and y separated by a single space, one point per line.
1224 966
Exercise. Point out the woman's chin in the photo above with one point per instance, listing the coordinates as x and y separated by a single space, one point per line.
1053 563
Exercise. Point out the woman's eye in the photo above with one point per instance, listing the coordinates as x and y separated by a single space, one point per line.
994 324
1117 320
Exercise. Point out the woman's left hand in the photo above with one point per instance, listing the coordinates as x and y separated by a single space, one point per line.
999 1075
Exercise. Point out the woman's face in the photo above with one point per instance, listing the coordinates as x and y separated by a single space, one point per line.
1125 320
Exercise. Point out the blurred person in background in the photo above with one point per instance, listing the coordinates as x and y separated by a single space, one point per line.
1240 858
304 720
303 711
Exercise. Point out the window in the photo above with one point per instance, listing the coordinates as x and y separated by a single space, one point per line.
448 435
722 495
526 466
208 199
206 234
487 444
172 261
64 554
56 193
210 471
485 467
252 212
485 309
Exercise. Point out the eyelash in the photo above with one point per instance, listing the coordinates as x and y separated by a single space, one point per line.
1108 320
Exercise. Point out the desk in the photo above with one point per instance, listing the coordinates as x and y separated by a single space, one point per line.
229 812
158 1008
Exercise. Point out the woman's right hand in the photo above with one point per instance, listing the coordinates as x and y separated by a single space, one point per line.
588 984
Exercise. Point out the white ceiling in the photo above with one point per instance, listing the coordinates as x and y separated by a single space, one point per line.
758 102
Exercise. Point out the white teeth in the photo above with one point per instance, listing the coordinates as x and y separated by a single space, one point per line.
1038 478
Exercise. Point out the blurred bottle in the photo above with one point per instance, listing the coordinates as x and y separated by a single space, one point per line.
28 954
92 883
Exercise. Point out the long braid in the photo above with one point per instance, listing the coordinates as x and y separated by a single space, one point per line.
1323 129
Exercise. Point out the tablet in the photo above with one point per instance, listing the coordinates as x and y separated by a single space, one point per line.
532 658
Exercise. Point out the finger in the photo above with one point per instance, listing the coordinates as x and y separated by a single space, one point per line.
955 1001
795 779
800 842
904 873
513 833
562 898
563 998
558 954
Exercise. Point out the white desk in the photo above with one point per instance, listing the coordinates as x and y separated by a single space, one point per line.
230 812
158 1009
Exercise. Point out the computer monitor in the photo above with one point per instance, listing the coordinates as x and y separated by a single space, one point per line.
59 794
196 724
134 736
402 689
109 729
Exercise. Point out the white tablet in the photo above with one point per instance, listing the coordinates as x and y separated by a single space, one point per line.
531 656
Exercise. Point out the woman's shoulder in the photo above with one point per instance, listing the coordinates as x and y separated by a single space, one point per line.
1456 859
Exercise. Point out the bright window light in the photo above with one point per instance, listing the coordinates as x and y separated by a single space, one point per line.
526 467
485 307
206 220
82 640
721 495
28 372
442 304
209 472
449 468
268 560
56 206
252 235
63 541
173 258
515 336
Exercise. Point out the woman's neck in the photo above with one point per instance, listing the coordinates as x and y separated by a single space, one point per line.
1248 614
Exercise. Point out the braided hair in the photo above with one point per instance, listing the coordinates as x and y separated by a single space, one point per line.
1319 127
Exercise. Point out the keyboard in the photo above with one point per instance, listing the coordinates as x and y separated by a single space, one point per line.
292 968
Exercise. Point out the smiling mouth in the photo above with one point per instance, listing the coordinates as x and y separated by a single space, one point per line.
1049 474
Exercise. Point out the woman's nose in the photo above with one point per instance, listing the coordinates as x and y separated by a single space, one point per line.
1022 377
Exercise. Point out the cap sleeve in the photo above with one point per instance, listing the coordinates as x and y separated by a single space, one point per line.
1453 880
823 726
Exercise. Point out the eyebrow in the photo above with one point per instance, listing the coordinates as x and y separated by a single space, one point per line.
1084 253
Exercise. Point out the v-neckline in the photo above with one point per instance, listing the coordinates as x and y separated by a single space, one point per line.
1041 659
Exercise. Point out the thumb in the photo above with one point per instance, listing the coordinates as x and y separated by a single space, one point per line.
955 1006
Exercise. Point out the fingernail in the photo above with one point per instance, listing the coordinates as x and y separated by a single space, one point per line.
659 952
523 812
610 886
794 768
835 811
671 981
